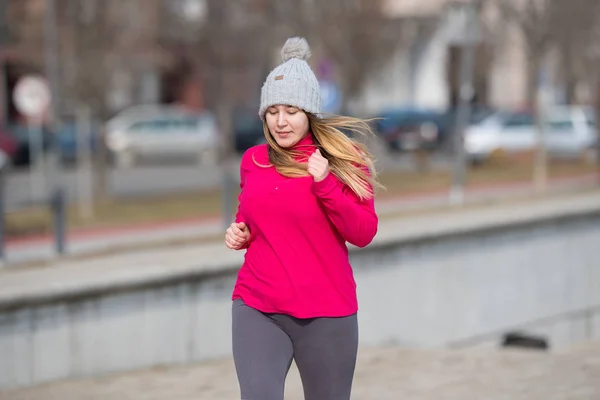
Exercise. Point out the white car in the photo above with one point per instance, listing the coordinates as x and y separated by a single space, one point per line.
162 132
570 132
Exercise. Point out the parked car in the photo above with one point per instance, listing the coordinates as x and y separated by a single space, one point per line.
152 133
248 130
69 138
8 145
66 142
411 129
476 115
21 134
570 133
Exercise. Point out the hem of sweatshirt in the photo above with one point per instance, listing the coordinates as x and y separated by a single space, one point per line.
304 315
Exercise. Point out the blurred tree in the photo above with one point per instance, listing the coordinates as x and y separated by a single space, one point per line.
546 26
565 27
5 41
575 26
103 44
534 20
25 24
233 46
107 49
356 35
107 46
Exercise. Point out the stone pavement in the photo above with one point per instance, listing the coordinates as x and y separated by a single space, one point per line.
382 374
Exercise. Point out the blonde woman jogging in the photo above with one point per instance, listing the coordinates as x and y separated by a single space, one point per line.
304 194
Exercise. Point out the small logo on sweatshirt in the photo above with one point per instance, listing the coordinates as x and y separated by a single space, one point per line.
279 77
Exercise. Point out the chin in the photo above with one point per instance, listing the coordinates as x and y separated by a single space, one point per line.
285 143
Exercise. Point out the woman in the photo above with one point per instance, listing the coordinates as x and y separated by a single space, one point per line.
305 193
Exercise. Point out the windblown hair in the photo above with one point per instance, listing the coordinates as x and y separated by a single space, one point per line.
349 160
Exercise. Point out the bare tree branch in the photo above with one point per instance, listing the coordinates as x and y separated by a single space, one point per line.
547 25
357 36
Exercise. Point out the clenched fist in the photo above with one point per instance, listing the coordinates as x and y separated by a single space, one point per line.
237 235
318 166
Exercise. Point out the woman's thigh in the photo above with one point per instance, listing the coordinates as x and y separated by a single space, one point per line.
325 352
262 353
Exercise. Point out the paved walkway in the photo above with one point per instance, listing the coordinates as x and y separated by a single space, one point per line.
382 374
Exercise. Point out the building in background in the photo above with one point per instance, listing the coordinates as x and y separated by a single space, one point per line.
425 72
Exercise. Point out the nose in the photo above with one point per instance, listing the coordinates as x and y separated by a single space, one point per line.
281 122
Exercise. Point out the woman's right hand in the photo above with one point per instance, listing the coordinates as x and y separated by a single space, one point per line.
237 235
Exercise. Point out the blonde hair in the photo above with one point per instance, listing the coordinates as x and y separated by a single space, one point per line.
349 160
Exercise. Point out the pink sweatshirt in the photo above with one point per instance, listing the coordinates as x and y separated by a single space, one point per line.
296 261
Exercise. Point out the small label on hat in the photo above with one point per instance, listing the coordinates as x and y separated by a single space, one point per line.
279 77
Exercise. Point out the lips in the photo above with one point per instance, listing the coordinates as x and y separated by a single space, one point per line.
283 134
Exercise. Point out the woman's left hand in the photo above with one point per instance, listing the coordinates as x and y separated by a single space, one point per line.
318 166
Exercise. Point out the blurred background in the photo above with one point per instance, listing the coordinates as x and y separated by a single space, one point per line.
134 112
122 125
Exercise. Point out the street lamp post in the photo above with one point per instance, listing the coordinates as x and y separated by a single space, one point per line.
597 110
544 98
51 54
594 57
468 39
4 40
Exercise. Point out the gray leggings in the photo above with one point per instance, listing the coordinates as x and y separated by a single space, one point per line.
264 345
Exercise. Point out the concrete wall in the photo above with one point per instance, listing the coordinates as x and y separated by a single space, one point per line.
173 323
473 288
463 286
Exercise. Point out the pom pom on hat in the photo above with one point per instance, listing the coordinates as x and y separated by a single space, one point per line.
293 82
296 47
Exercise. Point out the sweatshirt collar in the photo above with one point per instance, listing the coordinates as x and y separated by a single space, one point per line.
305 147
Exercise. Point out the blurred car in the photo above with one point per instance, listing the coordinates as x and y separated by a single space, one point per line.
411 129
248 130
570 133
476 115
153 133
66 136
69 137
8 145
21 134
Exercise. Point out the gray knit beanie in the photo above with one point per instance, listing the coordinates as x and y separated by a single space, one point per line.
293 82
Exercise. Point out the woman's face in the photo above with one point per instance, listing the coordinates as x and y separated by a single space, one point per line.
287 124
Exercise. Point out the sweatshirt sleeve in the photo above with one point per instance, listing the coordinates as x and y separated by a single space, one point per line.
355 219
239 217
